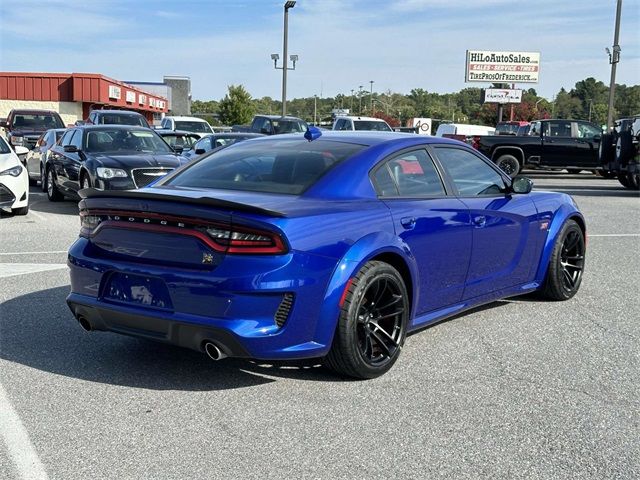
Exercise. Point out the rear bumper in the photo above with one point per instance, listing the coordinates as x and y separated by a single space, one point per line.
237 306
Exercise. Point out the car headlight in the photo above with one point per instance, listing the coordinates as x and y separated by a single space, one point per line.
13 171
111 172
16 140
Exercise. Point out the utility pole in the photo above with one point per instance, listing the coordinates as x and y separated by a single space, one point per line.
371 96
360 99
614 58
315 109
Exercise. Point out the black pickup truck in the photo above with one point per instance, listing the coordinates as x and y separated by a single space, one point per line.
562 144
272 125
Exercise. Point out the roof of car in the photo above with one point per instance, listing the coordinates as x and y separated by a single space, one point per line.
106 126
191 119
33 111
366 137
168 131
279 117
121 112
355 117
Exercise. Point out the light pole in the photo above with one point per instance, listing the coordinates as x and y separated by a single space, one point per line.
294 58
614 58
371 96
315 109
351 101
360 99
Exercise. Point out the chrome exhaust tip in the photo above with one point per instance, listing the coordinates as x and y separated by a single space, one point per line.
84 323
213 352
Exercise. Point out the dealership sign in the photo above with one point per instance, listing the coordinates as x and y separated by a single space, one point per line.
501 95
510 67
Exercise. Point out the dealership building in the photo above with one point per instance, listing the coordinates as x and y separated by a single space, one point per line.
74 95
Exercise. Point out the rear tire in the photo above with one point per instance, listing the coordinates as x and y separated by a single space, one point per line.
566 266
624 148
53 194
509 165
606 152
43 178
373 323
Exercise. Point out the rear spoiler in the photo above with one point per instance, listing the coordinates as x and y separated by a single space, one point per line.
208 201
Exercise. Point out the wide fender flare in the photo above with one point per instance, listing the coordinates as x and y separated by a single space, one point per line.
368 247
564 213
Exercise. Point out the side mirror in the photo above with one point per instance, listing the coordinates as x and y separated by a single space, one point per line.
178 148
521 185
200 151
3 123
20 150
71 149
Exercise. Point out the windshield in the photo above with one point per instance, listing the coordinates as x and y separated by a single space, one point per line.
179 140
370 125
41 121
200 127
115 119
289 126
507 129
285 166
118 140
4 148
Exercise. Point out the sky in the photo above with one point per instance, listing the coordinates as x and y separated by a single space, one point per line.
342 45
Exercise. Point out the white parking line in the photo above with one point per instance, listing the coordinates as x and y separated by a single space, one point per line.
39 216
614 235
33 253
17 442
13 269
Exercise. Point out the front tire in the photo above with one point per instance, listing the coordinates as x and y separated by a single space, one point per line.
566 265
373 323
509 165
53 194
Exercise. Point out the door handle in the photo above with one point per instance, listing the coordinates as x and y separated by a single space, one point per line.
408 222
480 221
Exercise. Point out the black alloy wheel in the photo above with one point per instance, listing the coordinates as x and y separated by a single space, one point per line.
509 165
373 323
566 266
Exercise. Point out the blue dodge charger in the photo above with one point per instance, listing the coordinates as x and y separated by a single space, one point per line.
330 245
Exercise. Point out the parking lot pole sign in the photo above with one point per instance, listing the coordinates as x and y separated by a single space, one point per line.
614 58
502 67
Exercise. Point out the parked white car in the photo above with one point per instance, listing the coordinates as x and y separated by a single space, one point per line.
187 124
463 129
14 180
361 123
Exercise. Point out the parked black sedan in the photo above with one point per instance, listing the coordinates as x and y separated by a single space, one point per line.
109 157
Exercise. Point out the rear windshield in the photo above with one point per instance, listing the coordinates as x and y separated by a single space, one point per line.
42 121
371 125
179 140
122 140
286 166
289 126
193 126
116 119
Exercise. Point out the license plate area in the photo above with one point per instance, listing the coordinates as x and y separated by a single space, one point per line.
131 289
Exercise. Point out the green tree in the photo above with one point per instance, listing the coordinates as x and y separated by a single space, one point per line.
236 107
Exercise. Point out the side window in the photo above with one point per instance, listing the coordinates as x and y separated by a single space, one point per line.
535 129
42 140
66 138
339 124
77 139
587 131
203 143
414 175
470 174
383 183
558 128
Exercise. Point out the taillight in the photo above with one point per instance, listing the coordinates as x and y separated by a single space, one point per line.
240 240
220 237
475 142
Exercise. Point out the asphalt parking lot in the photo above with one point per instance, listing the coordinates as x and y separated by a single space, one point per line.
517 389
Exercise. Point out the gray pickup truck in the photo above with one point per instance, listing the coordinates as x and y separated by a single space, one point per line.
272 125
